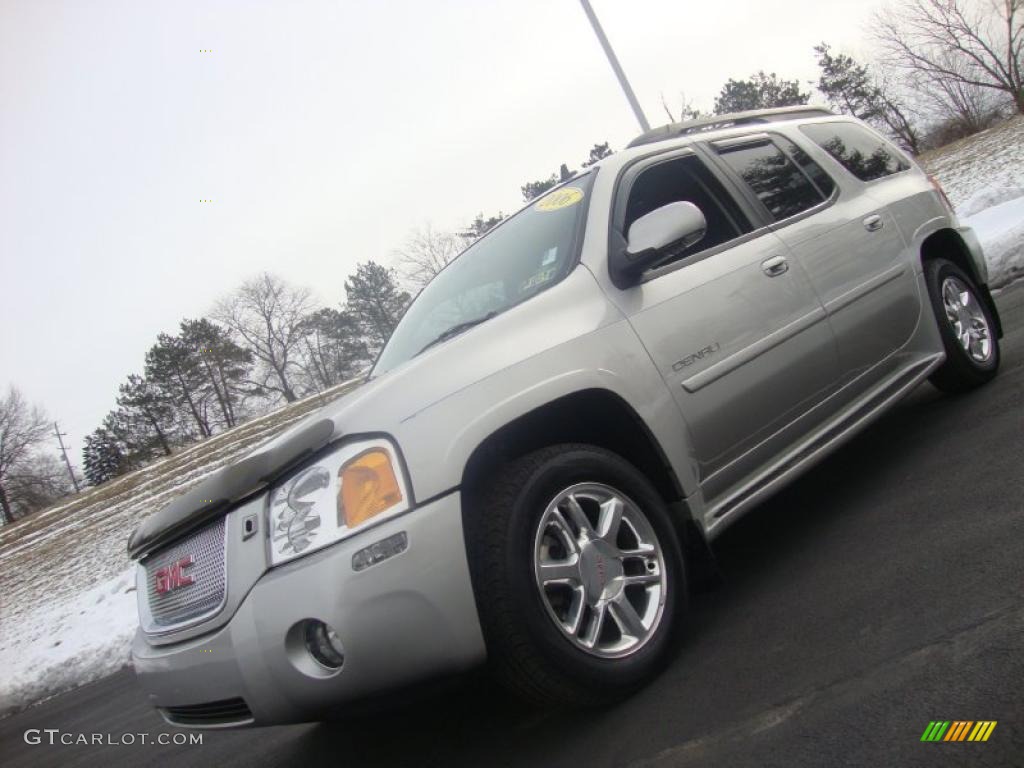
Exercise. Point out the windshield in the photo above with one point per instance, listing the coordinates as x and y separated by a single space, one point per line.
524 255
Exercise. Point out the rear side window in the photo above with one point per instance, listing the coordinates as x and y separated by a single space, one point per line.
774 178
857 149
814 171
687 179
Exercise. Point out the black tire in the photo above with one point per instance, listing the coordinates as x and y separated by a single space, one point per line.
960 372
527 652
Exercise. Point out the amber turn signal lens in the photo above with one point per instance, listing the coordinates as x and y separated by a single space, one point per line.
368 487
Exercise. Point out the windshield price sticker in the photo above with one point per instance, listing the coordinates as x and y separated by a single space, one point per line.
560 198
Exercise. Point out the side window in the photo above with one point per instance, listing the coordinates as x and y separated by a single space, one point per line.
687 179
777 182
857 149
814 172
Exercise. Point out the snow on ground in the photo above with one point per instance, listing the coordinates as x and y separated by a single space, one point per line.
67 587
980 165
983 175
57 645
67 595
1001 232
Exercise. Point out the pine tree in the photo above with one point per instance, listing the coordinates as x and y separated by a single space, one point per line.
375 302
146 417
223 363
847 85
759 91
851 87
533 189
335 348
102 457
481 226
175 371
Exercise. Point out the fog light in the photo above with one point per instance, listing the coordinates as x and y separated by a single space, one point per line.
323 645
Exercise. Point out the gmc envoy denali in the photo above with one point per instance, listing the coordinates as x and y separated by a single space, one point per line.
562 420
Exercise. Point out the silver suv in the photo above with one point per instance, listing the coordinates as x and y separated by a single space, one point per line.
564 418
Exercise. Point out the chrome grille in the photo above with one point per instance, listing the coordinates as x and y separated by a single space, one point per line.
188 602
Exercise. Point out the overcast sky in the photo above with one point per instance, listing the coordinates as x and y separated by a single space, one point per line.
321 131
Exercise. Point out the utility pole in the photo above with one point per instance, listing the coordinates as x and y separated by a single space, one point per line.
630 96
60 439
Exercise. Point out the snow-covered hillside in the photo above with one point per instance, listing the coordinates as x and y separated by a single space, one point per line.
67 593
983 175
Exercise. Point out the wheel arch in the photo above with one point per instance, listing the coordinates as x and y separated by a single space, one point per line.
596 416
948 244
602 418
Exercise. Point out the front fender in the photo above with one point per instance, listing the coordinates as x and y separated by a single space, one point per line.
976 253
437 442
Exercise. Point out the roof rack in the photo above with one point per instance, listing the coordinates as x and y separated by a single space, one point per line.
713 123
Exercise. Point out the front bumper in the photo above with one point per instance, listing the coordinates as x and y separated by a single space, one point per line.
401 621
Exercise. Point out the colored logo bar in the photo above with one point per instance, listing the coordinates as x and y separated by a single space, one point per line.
959 730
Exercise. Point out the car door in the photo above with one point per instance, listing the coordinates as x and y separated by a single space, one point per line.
853 252
733 324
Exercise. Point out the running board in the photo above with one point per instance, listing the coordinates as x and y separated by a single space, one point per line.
827 440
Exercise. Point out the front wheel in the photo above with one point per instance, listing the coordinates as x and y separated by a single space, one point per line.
578 575
966 326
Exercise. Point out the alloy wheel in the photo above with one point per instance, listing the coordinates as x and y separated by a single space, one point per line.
967 319
600 570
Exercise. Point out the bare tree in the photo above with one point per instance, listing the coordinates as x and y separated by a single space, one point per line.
22 428
975 43
426 252
687 111
36 482
268 316
962 108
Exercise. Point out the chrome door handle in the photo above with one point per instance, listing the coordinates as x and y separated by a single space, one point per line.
873 223
775 266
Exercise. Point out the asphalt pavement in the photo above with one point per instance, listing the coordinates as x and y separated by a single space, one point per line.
882 591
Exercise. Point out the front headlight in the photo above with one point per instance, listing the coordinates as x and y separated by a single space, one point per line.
335 497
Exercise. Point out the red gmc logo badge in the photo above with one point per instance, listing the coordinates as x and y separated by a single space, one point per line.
173 576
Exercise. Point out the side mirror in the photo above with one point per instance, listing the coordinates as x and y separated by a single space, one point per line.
660 234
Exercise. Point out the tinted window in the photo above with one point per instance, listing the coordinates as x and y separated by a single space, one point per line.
814 171
777 182
857 149
687 179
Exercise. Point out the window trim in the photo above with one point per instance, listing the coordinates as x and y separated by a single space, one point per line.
761 137
627 177
770 222
786 151
898 153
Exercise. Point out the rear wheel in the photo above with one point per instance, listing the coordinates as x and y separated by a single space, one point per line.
578 575
966 326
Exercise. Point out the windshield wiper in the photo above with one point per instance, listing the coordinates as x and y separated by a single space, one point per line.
455 330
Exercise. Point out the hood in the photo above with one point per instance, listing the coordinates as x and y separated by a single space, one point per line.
229 485
389 404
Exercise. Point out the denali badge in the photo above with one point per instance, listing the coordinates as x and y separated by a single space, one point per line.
173 576
710 349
